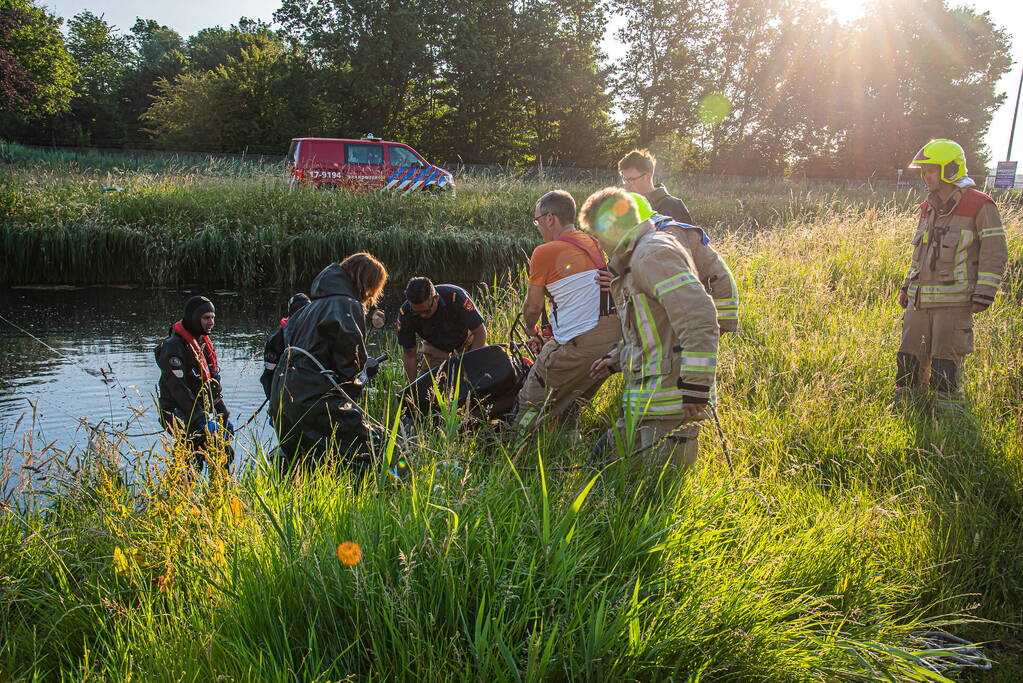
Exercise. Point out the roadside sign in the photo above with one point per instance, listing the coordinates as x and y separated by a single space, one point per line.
1005 175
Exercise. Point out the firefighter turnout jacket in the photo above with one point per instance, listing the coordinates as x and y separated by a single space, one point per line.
959 252
668 352
712 271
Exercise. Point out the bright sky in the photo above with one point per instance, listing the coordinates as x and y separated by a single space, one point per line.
188 16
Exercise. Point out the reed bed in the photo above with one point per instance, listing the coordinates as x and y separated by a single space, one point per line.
209 221
845 529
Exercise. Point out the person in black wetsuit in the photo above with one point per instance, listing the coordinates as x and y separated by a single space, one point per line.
191 397
274 348
315 388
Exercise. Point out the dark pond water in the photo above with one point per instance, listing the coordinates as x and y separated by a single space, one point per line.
46 393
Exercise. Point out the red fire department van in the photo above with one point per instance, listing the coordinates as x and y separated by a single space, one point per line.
366 164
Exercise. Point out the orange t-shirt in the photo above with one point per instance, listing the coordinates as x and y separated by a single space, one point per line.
552 261
568 275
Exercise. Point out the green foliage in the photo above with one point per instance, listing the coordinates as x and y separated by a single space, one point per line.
237 224
37 75
250 102
845 527
520 82
103 59
898 106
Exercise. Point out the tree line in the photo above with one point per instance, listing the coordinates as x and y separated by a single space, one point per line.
754 87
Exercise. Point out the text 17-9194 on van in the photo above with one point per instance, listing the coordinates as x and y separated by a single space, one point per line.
366 164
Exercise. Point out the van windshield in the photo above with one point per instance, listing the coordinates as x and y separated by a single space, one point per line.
292 157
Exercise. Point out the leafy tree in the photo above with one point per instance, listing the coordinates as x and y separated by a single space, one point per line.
483 112
768 68
37 75
378 65
212 47
658 82
565 84
255 102
156 55
102 57
918 70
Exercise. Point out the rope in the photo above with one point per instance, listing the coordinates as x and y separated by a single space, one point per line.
965 655
721 435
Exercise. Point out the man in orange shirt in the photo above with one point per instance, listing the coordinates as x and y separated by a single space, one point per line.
583 321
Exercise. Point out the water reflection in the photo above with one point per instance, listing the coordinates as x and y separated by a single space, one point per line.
101 365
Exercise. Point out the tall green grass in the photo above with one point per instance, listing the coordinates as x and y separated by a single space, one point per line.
845 527
235 224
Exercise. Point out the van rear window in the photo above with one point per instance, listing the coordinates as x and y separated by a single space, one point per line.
370 155
293 152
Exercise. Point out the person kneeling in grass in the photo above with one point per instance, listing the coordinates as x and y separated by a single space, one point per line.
583 320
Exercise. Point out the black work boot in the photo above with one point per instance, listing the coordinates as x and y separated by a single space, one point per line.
907 379
945 385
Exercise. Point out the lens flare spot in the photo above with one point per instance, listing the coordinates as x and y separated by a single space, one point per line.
714 108
621 207
349 554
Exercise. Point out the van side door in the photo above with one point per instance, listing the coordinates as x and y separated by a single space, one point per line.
365 167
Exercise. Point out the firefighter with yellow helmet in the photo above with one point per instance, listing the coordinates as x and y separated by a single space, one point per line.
668 353
959 254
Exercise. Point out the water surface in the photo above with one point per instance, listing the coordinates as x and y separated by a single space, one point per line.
100 369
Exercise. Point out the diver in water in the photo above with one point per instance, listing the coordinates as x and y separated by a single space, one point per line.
190 393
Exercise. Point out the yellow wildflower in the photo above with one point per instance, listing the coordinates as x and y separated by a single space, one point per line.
120 561
237 509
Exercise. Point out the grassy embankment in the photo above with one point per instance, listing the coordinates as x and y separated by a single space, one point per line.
234 224
844 529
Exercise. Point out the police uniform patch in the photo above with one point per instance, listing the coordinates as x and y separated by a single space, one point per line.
467 304
174 362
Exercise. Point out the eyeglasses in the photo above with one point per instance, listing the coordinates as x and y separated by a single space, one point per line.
627 179
536 219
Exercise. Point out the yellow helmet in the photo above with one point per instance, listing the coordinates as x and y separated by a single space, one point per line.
948 156
643 205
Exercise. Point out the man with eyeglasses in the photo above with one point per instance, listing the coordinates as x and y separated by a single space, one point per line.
445 317
637 172
583 321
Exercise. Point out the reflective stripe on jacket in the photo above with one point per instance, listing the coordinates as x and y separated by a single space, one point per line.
669 325
959 252
713 272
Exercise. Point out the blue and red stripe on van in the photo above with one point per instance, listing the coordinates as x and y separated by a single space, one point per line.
406 180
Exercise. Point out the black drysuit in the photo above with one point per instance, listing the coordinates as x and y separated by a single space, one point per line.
311 415
185 395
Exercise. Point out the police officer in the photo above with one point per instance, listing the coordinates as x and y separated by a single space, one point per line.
637 172
274 348
445 317
668 352
959 255
190 393
316 385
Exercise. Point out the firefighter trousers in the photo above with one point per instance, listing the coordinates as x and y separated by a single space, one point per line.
559 382
935 343
654 443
